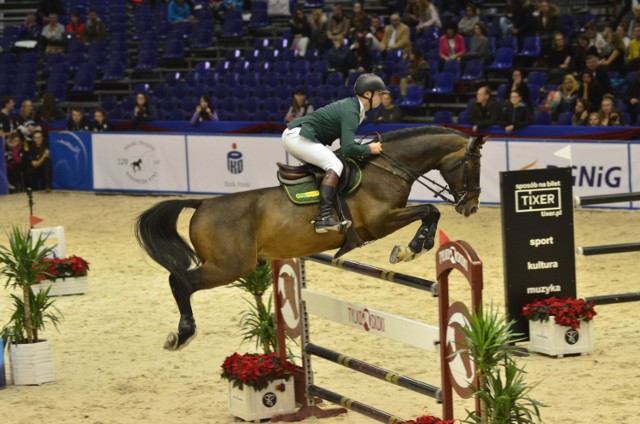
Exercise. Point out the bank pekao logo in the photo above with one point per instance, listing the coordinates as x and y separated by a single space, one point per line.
140 161
235 164
269 399
571 336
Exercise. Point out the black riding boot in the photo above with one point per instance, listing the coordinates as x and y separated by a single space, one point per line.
325 220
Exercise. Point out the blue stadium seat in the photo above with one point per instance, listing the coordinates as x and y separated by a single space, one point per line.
414 96
503 59
565 118
147 59
473 71
443 117
174 49
541 118
463 118
531 47
113 71
443 83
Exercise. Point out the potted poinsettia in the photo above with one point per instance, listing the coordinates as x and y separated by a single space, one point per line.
21 262
560 326
64 276
260 384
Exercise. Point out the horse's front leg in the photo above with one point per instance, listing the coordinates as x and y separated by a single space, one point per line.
424 237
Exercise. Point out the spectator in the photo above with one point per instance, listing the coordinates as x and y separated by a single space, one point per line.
49 110
633 21
581 112
558 58
389 113
614 62
338 56
599 74
524 24
75 28
582 50
6 123
516 82
414 12
13 160
78 122
299 106
143 110
178 11
27 121
359 20
318 24
633 55
451 44
360 57
597 40
396 36
40 163
479 45
94 30
616 120
100 121
607 108
623 36
300 31
376 32
466 25
417 71
631 97
204 111
563 99
515 114
594 119
431 17
52 35
29 30
46 8
506 20
338 25
485 111
590 90
547 23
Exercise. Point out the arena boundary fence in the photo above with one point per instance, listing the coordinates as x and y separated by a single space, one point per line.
294 302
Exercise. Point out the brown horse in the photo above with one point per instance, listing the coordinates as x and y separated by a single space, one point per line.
231 234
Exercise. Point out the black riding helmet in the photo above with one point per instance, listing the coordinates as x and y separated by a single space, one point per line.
369 82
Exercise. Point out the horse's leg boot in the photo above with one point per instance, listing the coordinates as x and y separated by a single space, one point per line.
325 220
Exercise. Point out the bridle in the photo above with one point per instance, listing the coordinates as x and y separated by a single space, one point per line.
456 195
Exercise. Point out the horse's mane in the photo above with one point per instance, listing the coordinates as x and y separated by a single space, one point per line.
425 130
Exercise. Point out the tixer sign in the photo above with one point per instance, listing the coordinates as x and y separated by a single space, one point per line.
537 237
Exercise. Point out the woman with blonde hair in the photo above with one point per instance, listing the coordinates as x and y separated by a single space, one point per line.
564 99
27 121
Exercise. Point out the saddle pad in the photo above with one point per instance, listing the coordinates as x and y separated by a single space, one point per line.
303 194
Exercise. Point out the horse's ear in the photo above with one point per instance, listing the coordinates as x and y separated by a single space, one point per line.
477 143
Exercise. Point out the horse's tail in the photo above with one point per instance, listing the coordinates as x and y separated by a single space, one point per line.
157 232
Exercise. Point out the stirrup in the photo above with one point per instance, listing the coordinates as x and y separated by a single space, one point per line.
322 226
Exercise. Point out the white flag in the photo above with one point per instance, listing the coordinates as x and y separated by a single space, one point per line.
564 153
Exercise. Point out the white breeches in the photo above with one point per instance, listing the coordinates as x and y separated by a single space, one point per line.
309 151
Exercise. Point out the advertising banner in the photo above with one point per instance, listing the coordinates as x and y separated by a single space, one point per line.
71 160
4 182
229 164
537 238
141 162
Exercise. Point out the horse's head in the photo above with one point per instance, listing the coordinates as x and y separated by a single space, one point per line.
462 174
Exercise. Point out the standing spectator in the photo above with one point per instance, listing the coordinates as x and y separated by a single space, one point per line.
100 121
29 30
631 98
46 8
389 113
143 110
299 106
75 27
27 121
451 44
178 11
599 74
485 111
417 71
558 58
516 82
515 114
479 45
594 119
318 24
338 56
466 25
40 163
581 112
360 57
6 123
590 90
300 31
204 111
564 99
614 62
547 23
49 110
78 122
338 25
633 52
52 35
396 36
359 20
94 30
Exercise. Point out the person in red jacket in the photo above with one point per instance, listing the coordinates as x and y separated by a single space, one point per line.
451 44
75 27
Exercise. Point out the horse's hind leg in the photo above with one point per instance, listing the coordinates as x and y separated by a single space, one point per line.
187 324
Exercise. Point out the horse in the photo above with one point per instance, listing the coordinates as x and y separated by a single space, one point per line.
232 234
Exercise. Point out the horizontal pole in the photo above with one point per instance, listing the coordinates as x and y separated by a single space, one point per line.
609 248
353 405
605 198
375 272
375 371
608 299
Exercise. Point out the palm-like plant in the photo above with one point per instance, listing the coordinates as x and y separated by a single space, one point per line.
20 264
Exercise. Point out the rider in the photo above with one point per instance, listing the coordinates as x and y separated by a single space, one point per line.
307 139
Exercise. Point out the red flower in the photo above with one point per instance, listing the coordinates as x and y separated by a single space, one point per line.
428 419
256 370
71 267
567 312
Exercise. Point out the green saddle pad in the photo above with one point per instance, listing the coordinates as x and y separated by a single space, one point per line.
308 193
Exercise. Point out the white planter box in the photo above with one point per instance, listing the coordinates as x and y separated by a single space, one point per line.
60 287
31 363
248 404
556 340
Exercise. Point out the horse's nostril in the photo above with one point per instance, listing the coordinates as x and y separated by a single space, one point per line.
474 210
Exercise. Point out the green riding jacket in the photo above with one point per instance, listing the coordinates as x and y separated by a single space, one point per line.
336 120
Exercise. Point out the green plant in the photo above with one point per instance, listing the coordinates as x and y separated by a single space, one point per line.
21 262
258 323
490 343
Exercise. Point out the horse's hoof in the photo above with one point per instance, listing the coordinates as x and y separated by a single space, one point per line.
429 243
397 255
172 341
